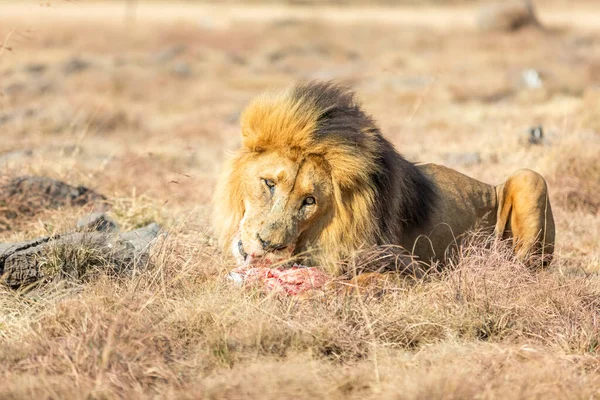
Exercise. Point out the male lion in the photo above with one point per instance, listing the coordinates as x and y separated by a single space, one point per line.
315 180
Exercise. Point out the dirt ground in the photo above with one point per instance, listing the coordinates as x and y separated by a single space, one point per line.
142 105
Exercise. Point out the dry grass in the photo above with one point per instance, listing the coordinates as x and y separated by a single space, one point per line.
180 329
144 114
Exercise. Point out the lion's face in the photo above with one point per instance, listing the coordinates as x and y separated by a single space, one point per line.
285 201
309 180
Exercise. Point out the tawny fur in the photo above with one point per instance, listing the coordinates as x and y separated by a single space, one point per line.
315 140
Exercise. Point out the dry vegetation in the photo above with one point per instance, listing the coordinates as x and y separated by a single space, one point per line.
144 111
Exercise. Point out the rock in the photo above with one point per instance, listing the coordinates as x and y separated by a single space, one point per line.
75 65
168 54
12 115
182 69
30 112
99 222
237 59
531 79
6 118
44 87
35 68
75 255
49 192
507 16
534 136
141 239
14 88
463 159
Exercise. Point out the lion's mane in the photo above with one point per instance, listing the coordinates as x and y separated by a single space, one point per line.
378 194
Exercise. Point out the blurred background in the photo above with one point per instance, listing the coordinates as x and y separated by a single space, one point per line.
141 99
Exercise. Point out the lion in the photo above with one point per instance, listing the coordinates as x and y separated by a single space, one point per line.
315 181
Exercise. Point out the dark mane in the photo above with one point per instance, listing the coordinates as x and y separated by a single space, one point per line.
404 195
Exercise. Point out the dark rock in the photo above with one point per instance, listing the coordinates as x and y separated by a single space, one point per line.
237 59
6 118
14 88
12 115
75 255
141 239
29 195
182 69
99 222
30 112
75 65
168 54
507 16
44 87
534 136
49 191
36 68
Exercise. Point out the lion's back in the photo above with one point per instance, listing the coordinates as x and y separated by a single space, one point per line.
461 202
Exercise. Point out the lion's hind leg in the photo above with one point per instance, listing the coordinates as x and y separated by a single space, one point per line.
525 216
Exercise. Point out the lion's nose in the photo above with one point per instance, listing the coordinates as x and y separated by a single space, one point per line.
268 246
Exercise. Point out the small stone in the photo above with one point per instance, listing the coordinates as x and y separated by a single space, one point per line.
12 115
167 54
42 191
45 87
532 79
99 222
507 16
182 69
6 118
36 68
75 65
535 136
14 88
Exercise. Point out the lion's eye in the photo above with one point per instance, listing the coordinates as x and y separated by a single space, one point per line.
270 184
309 201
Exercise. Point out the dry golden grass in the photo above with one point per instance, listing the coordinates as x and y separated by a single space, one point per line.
144 113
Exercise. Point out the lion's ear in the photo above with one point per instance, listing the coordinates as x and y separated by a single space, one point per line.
228 202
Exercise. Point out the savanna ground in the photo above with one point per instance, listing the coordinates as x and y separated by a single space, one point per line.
144 107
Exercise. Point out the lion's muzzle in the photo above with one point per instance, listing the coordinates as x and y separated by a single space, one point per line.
270 255
268 245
